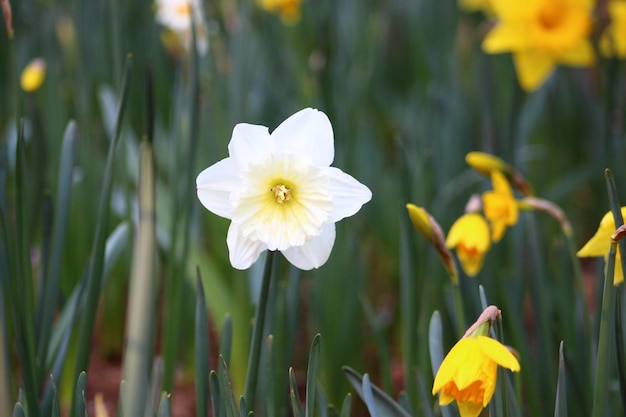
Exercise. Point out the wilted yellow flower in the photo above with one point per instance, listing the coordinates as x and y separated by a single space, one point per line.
470 236
289 10
613 39
33 75
500 206
599 244
468 373
541 34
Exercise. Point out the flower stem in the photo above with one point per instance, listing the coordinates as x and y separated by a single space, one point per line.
257 332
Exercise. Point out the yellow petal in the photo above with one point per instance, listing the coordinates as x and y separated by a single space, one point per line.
505 38
514 10
498 353
581 55
599 243
533 68
420 220
469 408
472 231
33 75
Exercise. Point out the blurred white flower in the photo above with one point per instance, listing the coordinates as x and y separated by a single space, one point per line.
280 192
175 15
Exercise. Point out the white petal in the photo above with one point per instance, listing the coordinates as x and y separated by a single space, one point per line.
347 193
215 185
241 251
315 252
307 132
249 143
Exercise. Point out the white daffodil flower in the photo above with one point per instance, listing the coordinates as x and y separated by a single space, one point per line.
280 192
176 16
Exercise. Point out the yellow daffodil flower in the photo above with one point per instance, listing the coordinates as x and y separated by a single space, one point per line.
33 75
541 34
613 39
500 206
470 236
289 10
599 244
468 373
280 192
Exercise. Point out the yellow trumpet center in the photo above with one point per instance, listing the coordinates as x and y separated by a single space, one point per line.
281 193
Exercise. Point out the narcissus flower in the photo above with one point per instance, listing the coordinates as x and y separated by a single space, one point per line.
176 16
599 244
470 236
33 75
280 192
500 206
613 39
541 34
468 373
289 10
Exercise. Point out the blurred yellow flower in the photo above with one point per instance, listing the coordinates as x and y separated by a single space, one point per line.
613 39
470 236
176 16
468 373
541 34
99 406
33 75
500 206
289 10
599 244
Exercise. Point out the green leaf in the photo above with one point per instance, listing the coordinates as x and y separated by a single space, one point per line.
96 262
346 407
164 405
226 391
425 395
296 407
368 396
226 339
81 402
560 406
69 153
18 410
385 405
201 350
311 376
214 388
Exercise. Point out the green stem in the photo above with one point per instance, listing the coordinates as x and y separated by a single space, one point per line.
257 333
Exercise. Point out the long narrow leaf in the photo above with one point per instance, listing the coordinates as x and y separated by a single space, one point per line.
201 350
142 295
296 407
368 396
69 151
311 376
560 406
385 405
96 262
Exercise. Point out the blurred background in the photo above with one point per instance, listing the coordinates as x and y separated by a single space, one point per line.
409 93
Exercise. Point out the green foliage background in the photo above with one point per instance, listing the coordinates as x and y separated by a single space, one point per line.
409 92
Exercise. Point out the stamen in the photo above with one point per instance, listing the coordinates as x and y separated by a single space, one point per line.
281 193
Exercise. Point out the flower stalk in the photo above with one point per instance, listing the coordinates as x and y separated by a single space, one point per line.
252 374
